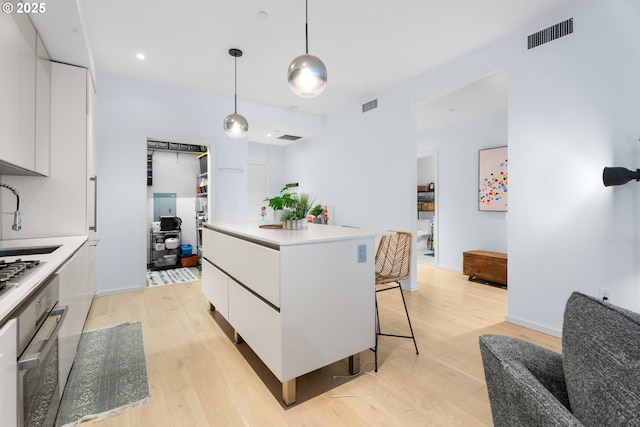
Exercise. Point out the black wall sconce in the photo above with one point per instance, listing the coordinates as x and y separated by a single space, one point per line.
619 176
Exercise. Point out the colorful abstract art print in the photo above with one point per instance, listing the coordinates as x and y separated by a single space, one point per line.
493 179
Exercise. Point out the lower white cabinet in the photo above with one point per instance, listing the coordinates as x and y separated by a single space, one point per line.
300 305
258 324
215 286
76 291
9 373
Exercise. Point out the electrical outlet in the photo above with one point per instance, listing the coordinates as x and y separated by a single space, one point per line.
605 294
362 253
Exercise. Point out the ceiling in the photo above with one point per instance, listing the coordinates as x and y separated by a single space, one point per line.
367 47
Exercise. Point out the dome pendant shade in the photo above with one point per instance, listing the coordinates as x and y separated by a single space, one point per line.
235 125
307 76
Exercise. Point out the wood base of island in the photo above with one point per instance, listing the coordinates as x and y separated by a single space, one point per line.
485 265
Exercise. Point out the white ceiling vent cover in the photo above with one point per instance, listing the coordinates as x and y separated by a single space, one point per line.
369 105
549 34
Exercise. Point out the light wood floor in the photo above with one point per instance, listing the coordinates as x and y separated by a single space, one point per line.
199 377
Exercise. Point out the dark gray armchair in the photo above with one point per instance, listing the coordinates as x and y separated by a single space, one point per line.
594 382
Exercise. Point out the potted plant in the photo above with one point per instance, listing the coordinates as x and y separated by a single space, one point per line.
316 212
288 220
279 203
301 206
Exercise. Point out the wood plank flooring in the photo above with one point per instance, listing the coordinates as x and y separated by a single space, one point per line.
198 377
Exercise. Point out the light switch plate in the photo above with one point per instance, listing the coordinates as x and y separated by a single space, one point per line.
362 253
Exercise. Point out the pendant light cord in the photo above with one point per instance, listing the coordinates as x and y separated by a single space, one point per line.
306 25
235 84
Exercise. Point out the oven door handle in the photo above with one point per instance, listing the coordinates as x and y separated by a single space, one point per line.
33 360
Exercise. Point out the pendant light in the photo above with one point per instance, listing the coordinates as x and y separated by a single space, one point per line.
307 74
235 125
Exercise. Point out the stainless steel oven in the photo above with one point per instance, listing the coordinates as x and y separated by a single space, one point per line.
39 321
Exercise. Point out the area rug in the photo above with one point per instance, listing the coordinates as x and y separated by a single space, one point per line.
109 375
168 277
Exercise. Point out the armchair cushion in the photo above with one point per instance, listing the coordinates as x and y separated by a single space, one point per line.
525 383
601 347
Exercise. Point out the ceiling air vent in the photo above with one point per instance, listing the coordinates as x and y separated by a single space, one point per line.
369 105
550 34
289 137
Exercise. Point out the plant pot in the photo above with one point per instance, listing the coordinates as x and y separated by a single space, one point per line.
294 224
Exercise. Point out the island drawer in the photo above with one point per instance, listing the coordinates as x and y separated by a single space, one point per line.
258 324
256 267
215 286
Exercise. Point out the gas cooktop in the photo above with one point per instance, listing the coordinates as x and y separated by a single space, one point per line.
12 272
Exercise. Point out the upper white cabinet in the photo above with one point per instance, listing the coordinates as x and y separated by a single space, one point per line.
43 109
24 99
63 204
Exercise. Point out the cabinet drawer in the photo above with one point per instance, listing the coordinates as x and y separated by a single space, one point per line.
256 267
258 324
215 286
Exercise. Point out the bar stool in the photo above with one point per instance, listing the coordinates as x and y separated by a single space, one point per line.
393 263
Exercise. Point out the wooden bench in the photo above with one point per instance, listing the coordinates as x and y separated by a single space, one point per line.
486 266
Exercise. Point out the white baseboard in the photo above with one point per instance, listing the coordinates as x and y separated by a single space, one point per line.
534 326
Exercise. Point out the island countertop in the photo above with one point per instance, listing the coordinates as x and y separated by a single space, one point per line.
250 230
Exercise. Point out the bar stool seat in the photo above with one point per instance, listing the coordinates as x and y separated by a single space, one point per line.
393 264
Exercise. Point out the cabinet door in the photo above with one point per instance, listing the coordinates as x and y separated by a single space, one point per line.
27 152
215 286
9 373
74 277
43 109
92 178
10 58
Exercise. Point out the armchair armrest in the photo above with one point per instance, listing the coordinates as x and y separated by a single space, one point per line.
525 383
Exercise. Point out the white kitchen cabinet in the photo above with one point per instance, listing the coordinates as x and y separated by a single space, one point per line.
18 87
215 286
75 292
43 109
59 205
9 373
300 299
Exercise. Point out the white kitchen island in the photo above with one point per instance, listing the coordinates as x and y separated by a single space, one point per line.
301 299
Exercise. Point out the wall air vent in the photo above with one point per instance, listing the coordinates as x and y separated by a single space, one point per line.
369 105
289 137
549 34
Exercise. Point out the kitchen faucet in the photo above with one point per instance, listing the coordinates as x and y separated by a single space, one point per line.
17 223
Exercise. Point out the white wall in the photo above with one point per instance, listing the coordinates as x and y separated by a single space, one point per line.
427 169
573 109
461 226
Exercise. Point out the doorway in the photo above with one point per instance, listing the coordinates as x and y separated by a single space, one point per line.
427 224
257 191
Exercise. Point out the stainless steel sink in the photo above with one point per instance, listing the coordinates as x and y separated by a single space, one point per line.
35 250
270 226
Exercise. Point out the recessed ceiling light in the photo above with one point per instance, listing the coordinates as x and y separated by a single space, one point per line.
262 14
140 56
268 135
452 110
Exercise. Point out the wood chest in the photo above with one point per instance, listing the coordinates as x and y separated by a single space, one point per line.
485 265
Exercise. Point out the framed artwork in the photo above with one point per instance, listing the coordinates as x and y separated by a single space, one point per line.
493 179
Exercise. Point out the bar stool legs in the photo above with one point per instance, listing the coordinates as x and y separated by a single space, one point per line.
378 331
